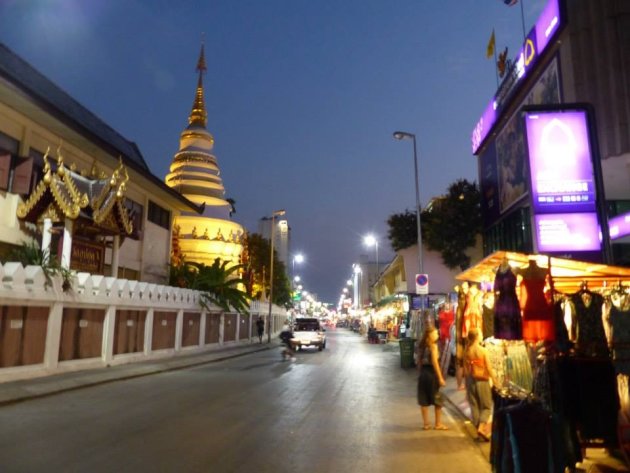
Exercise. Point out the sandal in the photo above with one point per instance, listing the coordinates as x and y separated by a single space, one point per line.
441 427
426 427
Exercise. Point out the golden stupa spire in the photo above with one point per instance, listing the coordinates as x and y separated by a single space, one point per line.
198 115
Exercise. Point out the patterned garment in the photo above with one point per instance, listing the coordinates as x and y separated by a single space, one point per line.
518 366
589 326
507 313
496 356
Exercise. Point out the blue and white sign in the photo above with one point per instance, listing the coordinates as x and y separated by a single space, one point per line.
422 283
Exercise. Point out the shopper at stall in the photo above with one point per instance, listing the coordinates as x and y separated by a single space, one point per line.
507 313
430 379
478 370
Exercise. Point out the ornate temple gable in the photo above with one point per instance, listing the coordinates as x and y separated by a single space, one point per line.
65 194
56 189
110 201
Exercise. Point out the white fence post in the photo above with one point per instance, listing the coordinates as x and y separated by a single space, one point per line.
109 331
148 332
53 335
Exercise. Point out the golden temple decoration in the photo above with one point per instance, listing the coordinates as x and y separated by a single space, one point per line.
111 199
57 187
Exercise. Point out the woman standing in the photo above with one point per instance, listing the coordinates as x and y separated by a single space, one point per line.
430 379
478 373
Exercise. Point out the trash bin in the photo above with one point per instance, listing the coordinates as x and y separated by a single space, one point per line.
406 352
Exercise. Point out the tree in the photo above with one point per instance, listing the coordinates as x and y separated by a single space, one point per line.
453 223
449 225
256 255
403 231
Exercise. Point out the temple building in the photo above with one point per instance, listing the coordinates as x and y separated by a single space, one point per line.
74 186
195 174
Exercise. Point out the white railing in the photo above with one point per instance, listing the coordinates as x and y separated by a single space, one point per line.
38 337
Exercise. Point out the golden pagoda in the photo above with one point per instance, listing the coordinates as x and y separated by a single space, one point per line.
195 174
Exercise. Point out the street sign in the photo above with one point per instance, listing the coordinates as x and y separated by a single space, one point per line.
422 283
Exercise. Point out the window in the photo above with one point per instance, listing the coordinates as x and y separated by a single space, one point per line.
9 148
159 215
136 214
513 233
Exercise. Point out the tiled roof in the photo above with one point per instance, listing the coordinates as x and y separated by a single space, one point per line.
24 76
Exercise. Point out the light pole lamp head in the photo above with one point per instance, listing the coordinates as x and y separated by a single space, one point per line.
370 240
278 213
299 258
401 135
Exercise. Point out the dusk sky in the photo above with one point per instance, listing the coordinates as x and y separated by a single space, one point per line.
302 97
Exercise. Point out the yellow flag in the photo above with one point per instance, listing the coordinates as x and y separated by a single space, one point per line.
490 48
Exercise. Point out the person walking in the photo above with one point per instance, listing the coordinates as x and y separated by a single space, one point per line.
430 379
478 372
260 327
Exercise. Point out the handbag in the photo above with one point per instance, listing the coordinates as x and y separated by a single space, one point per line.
478 370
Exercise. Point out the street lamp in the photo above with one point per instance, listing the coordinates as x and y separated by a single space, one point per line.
370 240
403 135
275 214
299 258
357 287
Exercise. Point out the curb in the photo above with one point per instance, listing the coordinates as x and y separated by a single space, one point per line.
123 377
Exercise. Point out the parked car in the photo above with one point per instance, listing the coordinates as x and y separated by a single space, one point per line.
308 332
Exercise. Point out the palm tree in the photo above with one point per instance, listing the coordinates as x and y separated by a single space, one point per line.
218 284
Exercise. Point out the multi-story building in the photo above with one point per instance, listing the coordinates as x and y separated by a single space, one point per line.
554 142
281 237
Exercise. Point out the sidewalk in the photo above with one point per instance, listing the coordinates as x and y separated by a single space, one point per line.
18 391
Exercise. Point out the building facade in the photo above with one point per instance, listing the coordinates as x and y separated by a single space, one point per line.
536 196
52 146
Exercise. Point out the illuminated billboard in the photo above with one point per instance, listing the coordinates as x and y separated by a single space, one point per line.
548 24
567 232
560 162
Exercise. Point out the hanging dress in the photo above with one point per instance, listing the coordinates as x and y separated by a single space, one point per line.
538 320
507 313
591 336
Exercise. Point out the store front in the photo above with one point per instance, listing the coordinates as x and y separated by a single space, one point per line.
559 348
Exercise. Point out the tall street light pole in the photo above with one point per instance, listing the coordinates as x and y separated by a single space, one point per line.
370 240
275 214
403 135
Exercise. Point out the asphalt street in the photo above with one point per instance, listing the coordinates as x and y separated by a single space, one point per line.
349 408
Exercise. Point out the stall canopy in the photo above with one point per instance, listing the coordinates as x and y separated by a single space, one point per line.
568 275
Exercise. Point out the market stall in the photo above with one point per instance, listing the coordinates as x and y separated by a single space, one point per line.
560 347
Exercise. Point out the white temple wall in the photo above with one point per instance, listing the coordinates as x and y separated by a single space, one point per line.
105 321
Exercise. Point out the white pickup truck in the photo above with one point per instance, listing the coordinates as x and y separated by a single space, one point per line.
307 332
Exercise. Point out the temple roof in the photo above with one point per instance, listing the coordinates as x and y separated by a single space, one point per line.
56 102
65 194
26 77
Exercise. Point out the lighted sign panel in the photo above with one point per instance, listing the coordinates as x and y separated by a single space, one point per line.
619 226
535 44
567 232
560 162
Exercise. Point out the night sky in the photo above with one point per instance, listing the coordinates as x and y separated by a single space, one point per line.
302 98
